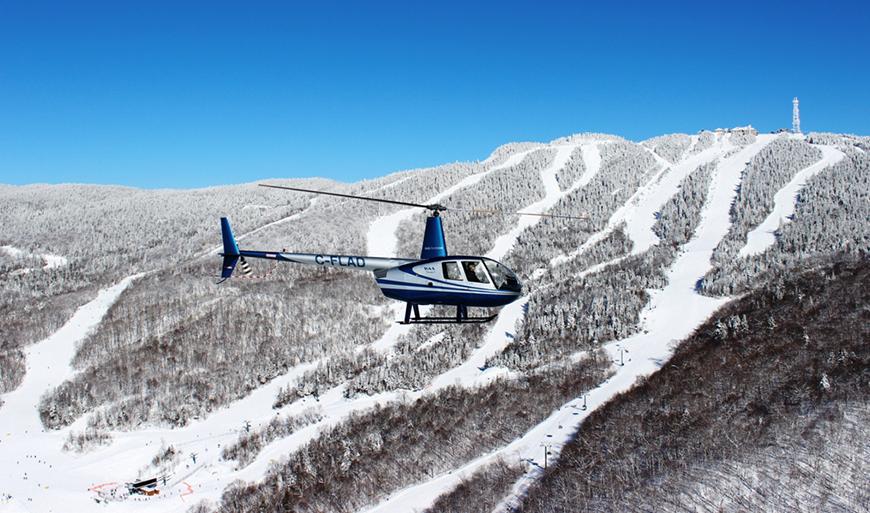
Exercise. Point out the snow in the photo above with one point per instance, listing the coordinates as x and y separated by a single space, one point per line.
333 405
210 475
621 215
640 217
25 448
13 251
591 166
32 462
468 373
762 237
381 237
49 261
53 261
552 195
639 211
217 249
671 315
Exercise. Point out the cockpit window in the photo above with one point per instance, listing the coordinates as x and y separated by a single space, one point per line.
503 277
474 271
451 271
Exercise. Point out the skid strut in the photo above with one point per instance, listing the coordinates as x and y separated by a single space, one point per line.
460 318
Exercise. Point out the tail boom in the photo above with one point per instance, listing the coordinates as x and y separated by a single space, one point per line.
233 255
356 262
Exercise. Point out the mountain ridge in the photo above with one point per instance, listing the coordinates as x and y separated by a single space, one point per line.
659 211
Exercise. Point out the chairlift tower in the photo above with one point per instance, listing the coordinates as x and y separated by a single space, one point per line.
795 116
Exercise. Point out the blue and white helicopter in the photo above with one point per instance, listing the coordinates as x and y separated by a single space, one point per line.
436 278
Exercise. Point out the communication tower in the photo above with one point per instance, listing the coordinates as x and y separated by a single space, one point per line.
795 116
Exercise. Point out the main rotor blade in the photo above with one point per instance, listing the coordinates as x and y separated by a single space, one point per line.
436 207
507 213
404 203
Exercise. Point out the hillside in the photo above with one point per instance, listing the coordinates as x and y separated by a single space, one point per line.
294 390
764 408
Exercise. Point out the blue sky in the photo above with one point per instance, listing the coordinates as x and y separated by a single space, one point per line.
155 94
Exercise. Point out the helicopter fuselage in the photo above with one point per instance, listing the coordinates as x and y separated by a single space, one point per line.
451 280
436 278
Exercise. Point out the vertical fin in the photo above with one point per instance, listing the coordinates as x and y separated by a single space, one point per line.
230 246
231 250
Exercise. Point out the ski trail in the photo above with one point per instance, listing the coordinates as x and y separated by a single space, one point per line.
49 361
205 438
214 475
216 249
675 311
503 243
381 238
469 373
762 237
23 441
291 217
615 220
670 316
591 166
503 331
641 219
335 407
638 212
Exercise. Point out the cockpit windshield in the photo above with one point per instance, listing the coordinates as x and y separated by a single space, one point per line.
502 277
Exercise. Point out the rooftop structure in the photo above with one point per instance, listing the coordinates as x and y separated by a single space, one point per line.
795 116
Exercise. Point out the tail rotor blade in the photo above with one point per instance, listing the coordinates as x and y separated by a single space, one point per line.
243 265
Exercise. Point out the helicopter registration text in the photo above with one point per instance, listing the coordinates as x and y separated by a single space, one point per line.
341 261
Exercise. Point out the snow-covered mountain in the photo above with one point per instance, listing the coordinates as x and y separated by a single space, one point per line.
294 390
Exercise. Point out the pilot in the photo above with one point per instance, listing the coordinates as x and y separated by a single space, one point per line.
475 272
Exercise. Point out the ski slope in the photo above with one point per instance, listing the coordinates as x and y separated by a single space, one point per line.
638 213
41 477
65 484
671 315
762 237
33 471
381 238
503 243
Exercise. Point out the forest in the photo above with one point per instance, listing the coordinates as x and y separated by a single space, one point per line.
761 409
779 370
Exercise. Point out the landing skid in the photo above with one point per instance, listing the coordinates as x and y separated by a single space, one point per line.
449 320
460 318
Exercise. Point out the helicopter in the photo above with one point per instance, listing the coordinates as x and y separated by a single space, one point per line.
436 278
